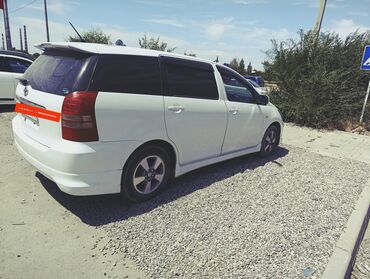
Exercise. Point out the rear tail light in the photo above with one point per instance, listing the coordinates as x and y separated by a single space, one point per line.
78 117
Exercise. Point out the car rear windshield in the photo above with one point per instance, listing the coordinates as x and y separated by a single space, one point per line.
61 72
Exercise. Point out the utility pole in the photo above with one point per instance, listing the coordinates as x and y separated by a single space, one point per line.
47 21
20 38
25 38
320 16
7 27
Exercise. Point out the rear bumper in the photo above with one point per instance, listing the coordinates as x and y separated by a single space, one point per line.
77 168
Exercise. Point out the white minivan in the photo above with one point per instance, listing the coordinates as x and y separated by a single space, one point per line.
133 118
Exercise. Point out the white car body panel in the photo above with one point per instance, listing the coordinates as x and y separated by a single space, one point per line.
203 133
186 129
242 119
77 168
7 87
135 117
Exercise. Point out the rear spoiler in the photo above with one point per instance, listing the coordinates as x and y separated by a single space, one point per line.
62 46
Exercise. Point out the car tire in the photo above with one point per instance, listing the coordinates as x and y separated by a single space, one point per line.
270 141
146 173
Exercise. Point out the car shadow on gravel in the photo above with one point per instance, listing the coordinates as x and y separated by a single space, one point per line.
105 209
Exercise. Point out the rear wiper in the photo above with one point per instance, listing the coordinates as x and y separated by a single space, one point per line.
23 81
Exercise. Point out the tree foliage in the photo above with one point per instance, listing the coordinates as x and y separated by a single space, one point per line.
190 54
234 64
154 43
249 69
238 66
319 79
241 69
92 36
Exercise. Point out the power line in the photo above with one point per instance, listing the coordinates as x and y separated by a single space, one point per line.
24 6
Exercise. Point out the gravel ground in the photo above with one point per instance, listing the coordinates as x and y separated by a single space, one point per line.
38 236
245 218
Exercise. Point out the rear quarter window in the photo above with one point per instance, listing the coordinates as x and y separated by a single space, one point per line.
61 72
127 74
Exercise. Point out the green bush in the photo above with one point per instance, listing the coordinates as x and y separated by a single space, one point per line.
320 83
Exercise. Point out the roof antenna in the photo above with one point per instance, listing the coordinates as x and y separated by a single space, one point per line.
78 34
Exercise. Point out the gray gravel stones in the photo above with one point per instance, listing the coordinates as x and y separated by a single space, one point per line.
244 218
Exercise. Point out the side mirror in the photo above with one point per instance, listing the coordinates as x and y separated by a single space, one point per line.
262 100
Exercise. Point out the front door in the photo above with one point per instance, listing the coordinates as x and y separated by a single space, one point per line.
245 118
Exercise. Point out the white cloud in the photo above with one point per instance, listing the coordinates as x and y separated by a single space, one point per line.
250 2
55 6
221 39
259 37
346 26
165 21
215 29
36 31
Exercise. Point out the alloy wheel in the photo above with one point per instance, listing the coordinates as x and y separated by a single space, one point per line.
149 174
271 140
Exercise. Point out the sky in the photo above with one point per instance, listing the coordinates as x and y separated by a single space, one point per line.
223 28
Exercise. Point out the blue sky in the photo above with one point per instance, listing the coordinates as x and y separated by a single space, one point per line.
224 28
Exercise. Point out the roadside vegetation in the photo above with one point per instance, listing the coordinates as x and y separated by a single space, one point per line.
92 36
319 80
239 66
154 43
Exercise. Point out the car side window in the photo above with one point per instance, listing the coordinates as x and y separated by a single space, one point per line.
4 66
18 65
236 90
127 74
191 79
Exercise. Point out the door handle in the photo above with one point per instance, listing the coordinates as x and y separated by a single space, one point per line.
234 110
176 108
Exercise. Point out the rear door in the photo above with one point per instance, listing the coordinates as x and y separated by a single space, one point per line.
130 101
195 116
52 76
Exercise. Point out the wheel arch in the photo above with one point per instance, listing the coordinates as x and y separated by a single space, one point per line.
161 143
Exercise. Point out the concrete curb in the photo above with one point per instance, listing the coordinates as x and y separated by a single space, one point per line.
342 260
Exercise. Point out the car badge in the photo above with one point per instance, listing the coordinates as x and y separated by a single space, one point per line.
25 92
